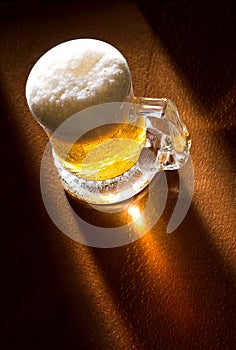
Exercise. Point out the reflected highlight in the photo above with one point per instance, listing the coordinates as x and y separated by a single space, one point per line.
134 212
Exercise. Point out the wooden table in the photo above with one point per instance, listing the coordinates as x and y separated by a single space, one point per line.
163 291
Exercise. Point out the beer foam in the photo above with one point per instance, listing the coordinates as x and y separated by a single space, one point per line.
75 75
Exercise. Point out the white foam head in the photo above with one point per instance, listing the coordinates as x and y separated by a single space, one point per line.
75 75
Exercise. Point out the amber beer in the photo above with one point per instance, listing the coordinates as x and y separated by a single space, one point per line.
102 153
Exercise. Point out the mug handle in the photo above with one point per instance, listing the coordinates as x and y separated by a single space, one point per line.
167 135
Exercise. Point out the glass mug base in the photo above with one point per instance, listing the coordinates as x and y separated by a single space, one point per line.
108 191
163 145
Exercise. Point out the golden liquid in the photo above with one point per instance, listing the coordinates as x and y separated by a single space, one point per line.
104 152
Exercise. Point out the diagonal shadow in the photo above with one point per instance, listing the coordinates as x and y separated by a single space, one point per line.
175 289
34 308
199 36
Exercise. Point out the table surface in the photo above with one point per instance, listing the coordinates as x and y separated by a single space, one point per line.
163 291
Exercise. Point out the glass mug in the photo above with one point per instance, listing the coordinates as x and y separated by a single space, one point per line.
107 144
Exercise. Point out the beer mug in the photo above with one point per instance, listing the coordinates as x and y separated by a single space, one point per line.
107 144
